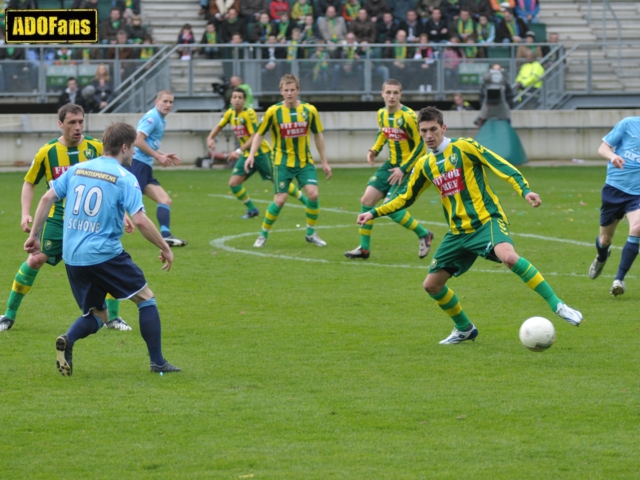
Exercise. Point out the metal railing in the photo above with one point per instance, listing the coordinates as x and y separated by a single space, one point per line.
607 6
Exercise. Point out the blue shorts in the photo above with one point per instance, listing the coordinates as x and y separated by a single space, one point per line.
143 173
615 204
90 284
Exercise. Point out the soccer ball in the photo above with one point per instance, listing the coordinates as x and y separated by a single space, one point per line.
537 334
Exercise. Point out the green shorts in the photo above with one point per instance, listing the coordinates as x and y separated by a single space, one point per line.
262 164
284 175
380 181
51 240
457 253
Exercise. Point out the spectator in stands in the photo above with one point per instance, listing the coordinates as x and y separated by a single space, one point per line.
399 8
219 10
485 30
301 9
128 8
452 59
528 10
16 74
84 4
294 52
250 10
232 25
530 75
499 8
471 52
147 50
64 56
450 10
277 8
424 8
427 56
477 8
136 32
375 9
332 28
437 27
309 31
399 53
521 52
262 29
511 29
413 26
71 94
363 28
87 54
460 104
387 28
553 39
109 27
23 4
324 4
349 67
350 11
272 67
210 38
464 26
320 72
283 28
126 55
185 37
102 86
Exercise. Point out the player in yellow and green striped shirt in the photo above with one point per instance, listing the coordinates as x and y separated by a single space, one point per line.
398 128
244 122
290 123
478 225
50 162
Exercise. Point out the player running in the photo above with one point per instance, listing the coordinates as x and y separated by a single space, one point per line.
245 123
620 196
478 224
399 128
51 161
95 260
150 133
290 122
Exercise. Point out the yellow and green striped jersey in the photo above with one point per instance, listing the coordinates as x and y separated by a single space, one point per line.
244 125
400 130
290 129
459 173
54 159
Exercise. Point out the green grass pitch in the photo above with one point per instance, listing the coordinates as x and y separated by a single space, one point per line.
300 364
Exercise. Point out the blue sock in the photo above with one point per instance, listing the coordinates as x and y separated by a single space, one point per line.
83 327
150 329
629 254
163 213
603 252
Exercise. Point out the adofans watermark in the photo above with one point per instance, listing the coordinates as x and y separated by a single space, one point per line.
51 26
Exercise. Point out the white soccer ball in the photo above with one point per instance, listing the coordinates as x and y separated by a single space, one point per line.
537 334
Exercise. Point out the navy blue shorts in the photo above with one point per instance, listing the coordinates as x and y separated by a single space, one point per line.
615 204
143 173
90 284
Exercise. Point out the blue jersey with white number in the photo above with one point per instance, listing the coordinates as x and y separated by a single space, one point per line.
97 193
152 125
625 141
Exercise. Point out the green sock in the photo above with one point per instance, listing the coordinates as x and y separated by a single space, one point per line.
113 306
448 301
241 194
405 219
536 282
296 192
365 230
22 283
270 217
312 210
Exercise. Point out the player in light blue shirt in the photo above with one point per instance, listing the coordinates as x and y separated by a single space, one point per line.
97 195
147 149
620 197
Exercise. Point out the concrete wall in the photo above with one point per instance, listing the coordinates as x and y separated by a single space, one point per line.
546 135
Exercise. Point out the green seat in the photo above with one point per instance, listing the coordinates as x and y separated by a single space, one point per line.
500 137
87 72
57 75
50 4
540 29
499 52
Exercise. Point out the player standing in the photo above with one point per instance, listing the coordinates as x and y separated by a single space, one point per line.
290 122
95 260
51 161
620 196
245 123
399 128
150 133
478 224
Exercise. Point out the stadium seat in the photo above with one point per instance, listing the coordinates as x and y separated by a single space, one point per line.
499 52
540 29
500 137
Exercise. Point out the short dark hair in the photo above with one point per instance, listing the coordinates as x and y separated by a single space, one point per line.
116 135
69 108
430 114
394 82
72 78
239 90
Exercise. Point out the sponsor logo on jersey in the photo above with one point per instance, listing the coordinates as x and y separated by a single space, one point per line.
449 183
634 157
293 129
395 134
240 131
58 171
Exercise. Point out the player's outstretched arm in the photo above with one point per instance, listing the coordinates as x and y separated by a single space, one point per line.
164 159
32 245
319 139
26 199
151 233
211 143
607 152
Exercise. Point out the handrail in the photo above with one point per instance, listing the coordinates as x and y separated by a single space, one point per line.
604 22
